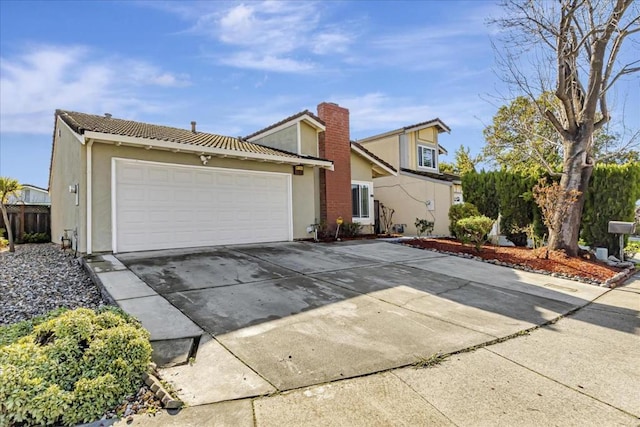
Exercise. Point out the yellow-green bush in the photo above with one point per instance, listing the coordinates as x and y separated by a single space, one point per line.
70 367
475 229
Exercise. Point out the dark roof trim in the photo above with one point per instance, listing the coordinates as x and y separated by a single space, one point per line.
434 175
35 186
288 119
373 156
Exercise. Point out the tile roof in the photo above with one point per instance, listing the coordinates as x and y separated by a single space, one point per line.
283 121
369 153
432 121
434 175
81 122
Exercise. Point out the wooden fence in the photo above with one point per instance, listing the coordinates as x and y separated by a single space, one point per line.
28 219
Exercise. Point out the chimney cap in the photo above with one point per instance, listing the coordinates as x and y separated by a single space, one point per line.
107 115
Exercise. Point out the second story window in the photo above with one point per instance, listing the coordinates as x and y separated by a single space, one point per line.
426 157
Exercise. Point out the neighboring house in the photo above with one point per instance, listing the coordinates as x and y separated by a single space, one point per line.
30 195
419 190
128 186
28 212
345 192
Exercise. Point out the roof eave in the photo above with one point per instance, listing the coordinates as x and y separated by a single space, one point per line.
379 165
304 117
197 149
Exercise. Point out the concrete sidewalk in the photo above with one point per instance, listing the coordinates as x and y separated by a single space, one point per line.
581 370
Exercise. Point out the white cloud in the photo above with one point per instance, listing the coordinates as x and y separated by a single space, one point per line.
266 62
377 112
44 78
270 35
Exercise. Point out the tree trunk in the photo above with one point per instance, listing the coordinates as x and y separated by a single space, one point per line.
5 216
576 172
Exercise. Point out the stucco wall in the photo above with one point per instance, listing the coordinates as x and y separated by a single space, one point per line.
68 168
427 137
303 187
284 139
308 140
386 148
360 168
408 195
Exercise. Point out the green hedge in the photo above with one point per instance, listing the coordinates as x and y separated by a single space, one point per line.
612 194
70 367
479 189
613 191
507 193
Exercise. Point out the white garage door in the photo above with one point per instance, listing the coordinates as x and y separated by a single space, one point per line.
162 206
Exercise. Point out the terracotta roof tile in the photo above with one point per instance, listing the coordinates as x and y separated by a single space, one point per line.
432 121
81 122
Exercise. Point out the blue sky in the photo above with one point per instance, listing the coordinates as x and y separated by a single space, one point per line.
237 67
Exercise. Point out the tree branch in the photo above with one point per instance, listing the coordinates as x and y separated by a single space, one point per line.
557 125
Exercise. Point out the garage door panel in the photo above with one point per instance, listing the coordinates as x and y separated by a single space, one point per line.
171 206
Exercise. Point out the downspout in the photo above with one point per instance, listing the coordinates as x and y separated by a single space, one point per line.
89 197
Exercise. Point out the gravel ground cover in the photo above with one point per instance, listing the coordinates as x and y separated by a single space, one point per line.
38 278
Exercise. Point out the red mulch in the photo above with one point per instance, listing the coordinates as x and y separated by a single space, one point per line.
558 262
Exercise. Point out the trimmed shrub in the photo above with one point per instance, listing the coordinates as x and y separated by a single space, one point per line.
350 229
423 226
631 249
475 229
70 366
36 238
458 212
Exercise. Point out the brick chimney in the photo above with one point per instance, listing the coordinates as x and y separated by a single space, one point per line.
334 144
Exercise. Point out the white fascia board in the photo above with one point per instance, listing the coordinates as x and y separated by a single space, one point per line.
305 117
220 152
380 136
374 161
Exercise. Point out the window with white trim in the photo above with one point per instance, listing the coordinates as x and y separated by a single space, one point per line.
426 157
361 201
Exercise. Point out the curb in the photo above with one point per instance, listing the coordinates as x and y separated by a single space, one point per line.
96 280
168 402
620 278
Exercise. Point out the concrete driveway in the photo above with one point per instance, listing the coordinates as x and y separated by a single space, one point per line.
289 315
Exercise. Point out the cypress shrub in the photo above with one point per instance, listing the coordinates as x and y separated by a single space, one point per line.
612 194
516 206
479 189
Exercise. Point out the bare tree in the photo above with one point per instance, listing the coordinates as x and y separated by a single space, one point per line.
584 39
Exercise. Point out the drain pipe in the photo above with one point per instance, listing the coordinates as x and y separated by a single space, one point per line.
89 193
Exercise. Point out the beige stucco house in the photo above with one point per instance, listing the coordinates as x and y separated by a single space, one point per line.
355 167
419 190
122 186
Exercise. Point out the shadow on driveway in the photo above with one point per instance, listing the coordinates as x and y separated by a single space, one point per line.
303 313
